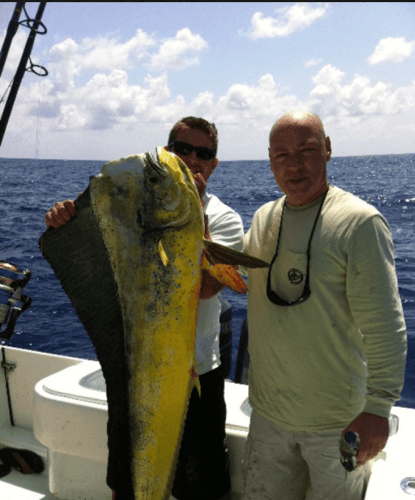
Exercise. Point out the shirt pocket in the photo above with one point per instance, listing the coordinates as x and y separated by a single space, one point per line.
288 274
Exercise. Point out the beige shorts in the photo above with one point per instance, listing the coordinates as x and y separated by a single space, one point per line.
284 465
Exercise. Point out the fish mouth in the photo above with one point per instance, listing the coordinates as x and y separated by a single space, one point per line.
156 165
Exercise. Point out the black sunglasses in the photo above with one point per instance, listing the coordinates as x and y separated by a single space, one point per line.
185 149
272 296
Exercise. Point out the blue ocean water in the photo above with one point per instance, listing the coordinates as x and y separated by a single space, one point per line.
28 188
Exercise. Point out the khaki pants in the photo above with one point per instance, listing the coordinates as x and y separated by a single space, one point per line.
283 465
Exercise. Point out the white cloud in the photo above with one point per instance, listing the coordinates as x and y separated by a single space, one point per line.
287 20
180 52
253 105
327 81
64 64
359 99
392 50
203 101
71 116
108 53
167 113
312 62
89 88
67 59
107 98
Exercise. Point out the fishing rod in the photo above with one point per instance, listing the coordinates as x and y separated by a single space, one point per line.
12 281
11 31
33 25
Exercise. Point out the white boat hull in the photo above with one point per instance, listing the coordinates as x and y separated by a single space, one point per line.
59 412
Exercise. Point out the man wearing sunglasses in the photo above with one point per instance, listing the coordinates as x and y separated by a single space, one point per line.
203 465
327 334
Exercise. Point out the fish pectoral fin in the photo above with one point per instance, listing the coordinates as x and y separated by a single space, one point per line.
226 274
197 385
162 253
196 380
225 255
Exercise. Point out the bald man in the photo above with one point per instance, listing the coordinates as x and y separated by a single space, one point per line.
327 333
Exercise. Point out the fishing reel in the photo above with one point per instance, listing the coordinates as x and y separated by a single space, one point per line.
12 282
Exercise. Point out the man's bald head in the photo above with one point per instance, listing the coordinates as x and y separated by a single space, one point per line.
299 117
298 152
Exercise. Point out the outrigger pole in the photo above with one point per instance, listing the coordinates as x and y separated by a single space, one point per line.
33 24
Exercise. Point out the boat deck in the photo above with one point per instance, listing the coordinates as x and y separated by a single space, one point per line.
395 464
17 486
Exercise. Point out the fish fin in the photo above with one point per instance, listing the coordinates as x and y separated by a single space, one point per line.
162 253
225 255
226 274
196 379
197 385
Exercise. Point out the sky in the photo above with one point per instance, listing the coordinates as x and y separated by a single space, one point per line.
121 74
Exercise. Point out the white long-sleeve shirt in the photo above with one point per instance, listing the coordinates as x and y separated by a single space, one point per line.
315 366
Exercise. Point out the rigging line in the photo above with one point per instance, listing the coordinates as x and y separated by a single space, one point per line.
22 67
11 31
5 92
38 124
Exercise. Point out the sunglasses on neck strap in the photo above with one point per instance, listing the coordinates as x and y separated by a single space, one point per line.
185 149
272 296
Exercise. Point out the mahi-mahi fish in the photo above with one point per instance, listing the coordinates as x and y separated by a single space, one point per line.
130 262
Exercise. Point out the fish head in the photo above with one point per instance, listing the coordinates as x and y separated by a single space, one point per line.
158 192
171 198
